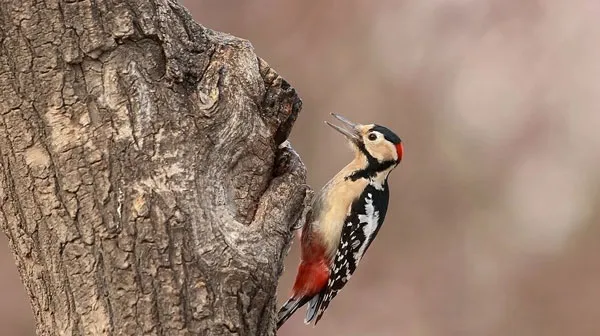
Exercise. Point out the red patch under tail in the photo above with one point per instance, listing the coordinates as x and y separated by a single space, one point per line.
312 277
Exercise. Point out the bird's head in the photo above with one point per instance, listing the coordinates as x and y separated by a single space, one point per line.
373 141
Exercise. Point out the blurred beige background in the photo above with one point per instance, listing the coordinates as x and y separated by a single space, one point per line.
494 226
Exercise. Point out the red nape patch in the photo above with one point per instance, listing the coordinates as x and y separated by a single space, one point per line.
312 277
400 151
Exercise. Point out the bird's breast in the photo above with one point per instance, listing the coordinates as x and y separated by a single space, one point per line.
335 208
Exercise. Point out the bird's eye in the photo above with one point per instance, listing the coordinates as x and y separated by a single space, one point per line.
372 136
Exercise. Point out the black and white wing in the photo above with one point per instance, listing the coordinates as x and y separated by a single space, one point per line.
360 228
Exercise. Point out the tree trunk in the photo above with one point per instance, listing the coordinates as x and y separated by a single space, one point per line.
145 183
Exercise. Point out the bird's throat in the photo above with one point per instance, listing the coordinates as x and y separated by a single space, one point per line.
374 169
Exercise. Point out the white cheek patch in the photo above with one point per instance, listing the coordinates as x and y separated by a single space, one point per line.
393 151
383 151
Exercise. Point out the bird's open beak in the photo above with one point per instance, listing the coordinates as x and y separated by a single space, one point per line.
351 131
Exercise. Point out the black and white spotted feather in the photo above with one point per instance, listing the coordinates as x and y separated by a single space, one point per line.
360 228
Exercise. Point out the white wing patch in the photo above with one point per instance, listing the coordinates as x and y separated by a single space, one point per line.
371 219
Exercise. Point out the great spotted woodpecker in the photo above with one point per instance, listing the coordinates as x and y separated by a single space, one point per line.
346 216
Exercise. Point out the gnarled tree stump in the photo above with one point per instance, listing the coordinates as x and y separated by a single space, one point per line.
145 183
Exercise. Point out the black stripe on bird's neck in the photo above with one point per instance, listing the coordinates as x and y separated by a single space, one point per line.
373 166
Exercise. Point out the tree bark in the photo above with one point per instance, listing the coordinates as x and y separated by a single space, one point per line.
146 185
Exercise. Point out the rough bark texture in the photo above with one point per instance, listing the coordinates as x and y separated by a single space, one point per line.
144 186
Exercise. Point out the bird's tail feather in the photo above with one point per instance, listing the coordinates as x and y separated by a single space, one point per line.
313 307
289 308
